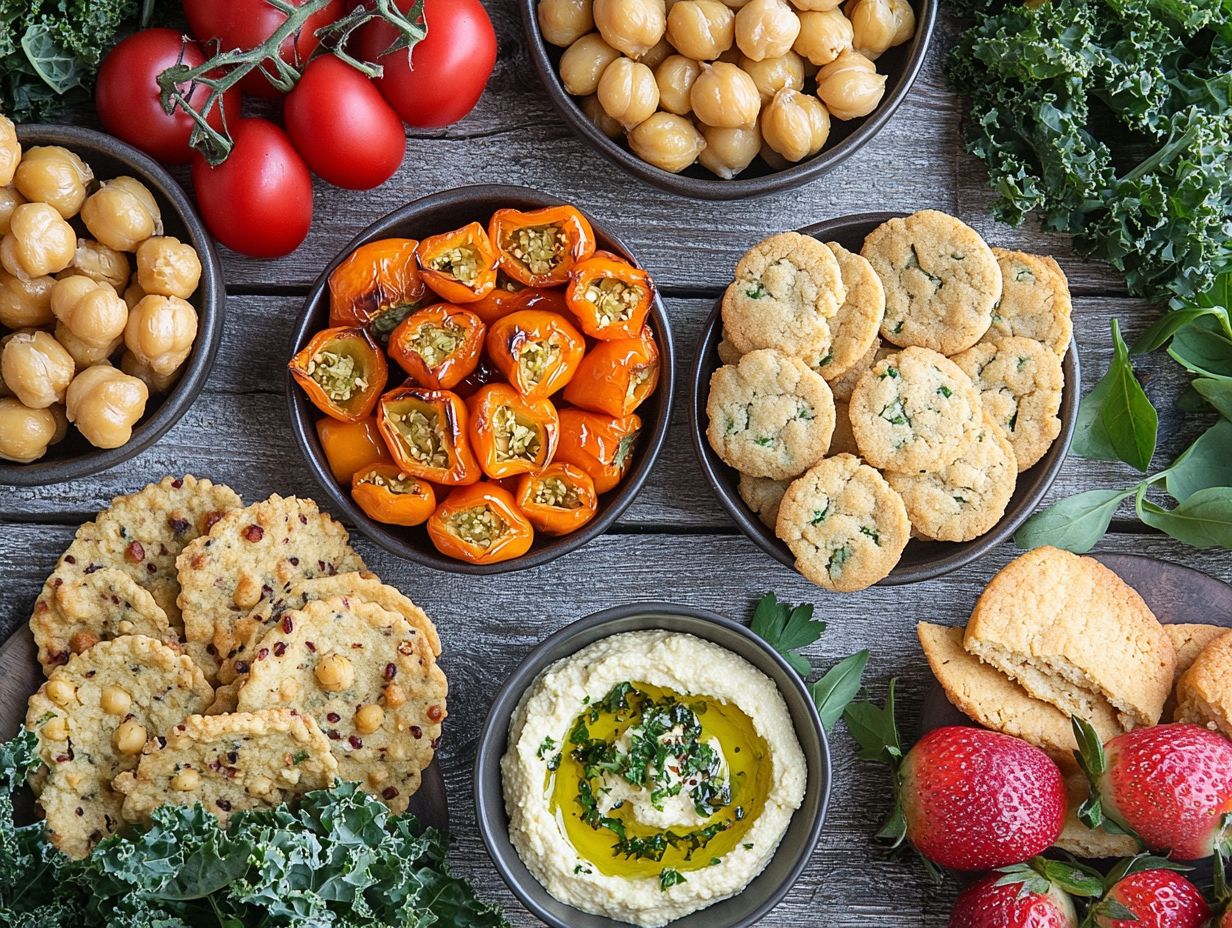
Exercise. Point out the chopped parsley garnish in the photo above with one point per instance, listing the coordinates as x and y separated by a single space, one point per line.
669 878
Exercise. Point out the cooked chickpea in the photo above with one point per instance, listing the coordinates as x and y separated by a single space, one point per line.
10 199
633 27
10 151
25 433
129 737
133 294
186 780
98 262
105 404
729 151
394 695
823 36
54 175
724 96
675 77
809 6
563 22
653 58
115 701
82 352
904 16
55 729
771 75
369 718
334 673
122 214
603 122
36 368
787 125
60 692
766 29
627 92
160 331
667 141
819 117
93 312
850 86
25 302
154 382
701 29
39 242
260 786
873 24
583 64
61 423
167 266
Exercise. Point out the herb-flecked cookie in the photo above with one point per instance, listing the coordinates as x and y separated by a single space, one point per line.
1035 301
93 717
250 555
770 415
854 327
229 763
843 387
914 412
763 496
941 281
367 678
966 498
785 290
1020 383
846 526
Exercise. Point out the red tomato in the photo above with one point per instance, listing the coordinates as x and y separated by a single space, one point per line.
445 74
247 23
128 96
259 201
343 127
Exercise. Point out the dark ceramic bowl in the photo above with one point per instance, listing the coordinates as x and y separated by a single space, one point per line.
109 157
922 559
764 892
430 215
901 65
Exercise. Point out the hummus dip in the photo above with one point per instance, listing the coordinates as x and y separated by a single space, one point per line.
650 775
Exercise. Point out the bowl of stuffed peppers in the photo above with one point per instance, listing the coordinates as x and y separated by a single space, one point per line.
482 379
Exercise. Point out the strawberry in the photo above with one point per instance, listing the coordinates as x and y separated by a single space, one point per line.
1031 895
1147 892
1169 785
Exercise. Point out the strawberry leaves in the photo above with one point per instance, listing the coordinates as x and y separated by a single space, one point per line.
787 629
1094 763
1040 874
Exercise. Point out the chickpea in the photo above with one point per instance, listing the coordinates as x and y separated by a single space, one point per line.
60 692
675 77
82 352
655 57
724 96
729 151
817 6
766 29
787 125
54 175
904 15
39 242
633 27
701 29
155 383
61 423
25 433
772 158
93 312
186 780
773 74
260 786
603 122
55 729
129 737
583 64
10 151
823 36
627 92
98 262
25 302
10 199
104 404
667 141
563 22
115 701
369 718
334 673
133 294
850 86
819 117
36 368
167 266
122 214
160 332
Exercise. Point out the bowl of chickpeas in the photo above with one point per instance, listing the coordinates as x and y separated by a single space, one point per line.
726 99
111 303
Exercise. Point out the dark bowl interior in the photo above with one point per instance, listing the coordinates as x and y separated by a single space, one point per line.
901 65
922 559
764 892
441 212
108 157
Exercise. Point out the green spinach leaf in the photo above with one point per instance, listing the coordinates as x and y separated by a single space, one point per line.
1076 523
1204 520
1116 421
838 687
1204 464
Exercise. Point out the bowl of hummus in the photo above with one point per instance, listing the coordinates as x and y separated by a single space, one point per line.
650 765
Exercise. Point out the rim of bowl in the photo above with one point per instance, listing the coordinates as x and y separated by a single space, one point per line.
210 306
1034 483
490 813
706 188
303 418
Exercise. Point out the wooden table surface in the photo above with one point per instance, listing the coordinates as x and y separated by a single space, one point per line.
675 542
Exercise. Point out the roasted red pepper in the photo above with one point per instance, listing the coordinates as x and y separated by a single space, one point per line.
616 377
459 265
350 446
511 434
376 286
388 495
343 372
598 444
609 296
511 297
480 524
539 248
537 351
438 346
559 499
426 432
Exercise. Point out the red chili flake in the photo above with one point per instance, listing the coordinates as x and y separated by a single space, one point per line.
280 649
435 713
303 519
151 568
355 741
254 533
63 758
416 732
333 735
92 568
209 520
287 624
80 812
210 649
177 483
321 566
68 558
179 526
333 717
135 552
435 742
263 654
406 648
294 561
310 646
391 671
389 792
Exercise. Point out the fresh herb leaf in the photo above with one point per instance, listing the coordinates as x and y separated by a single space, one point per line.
1205 464
1203 520
669 878
1203 348
787 629
875 729
1075 524
1116 421
1169 324
838 687
1217 392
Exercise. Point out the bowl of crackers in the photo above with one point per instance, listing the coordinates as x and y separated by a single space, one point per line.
883 398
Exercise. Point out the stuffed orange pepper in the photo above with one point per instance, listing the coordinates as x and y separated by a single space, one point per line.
540 248
538 352
438 346
350 446
388 495
609 296
480 524
600 445
376 286
510 433
509 297
616 377
343 371
558 500
459 265
425 431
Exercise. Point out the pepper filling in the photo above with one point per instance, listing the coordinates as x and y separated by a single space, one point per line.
397 484
336 374
420 431
387 319
624 449
614 300
552 491
536 359
513 439
540 248
637 379
435 343
460 262
479 526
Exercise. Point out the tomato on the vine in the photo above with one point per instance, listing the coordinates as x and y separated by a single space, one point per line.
259 201
129 100
343 127
444 76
